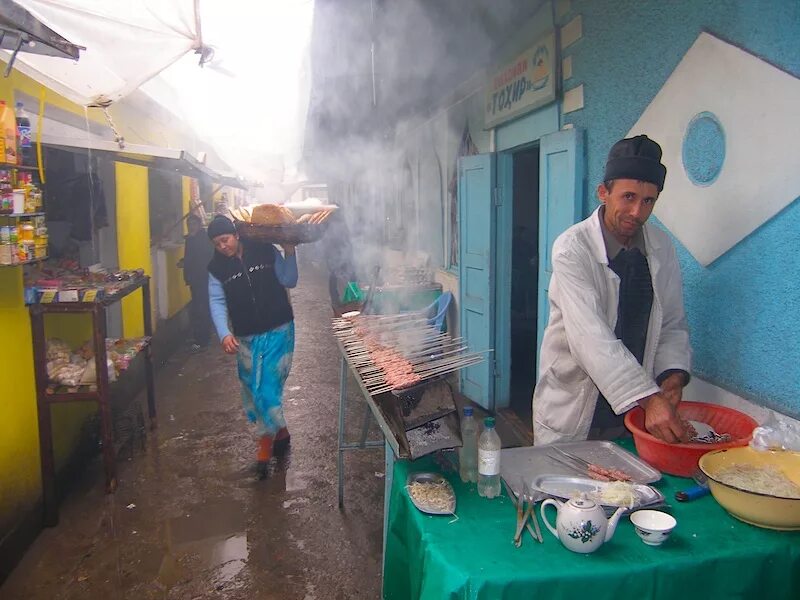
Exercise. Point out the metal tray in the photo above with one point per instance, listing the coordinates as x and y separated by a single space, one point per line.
431 478
530 462
560 486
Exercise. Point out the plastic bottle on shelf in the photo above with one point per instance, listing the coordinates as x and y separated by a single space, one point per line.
468 453
489 461
25 151
8 134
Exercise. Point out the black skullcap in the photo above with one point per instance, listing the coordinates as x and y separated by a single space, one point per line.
636 158
220 226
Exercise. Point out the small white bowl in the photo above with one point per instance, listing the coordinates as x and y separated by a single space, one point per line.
653 526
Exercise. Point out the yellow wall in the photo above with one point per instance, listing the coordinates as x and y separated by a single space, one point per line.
186 197
20 479
177 291
133 239
20 475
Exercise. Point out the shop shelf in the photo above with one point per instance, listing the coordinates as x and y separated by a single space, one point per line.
4 166
27 262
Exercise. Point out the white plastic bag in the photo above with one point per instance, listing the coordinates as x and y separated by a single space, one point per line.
776 433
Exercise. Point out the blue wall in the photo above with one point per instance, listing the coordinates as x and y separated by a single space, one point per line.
744 308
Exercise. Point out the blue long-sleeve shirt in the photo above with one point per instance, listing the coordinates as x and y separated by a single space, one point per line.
285 271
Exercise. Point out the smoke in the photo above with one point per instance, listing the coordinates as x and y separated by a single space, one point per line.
394 86
250 100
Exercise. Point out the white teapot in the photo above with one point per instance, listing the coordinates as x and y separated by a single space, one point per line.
581 524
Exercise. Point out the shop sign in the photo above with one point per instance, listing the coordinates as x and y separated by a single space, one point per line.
526 83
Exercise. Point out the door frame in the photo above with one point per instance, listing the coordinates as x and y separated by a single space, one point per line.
502 252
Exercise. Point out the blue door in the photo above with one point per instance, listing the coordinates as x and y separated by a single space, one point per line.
476 183
561 176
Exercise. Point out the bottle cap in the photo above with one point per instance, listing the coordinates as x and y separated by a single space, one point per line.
467 411
489 421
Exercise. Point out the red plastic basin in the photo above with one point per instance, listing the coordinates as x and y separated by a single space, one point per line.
681 459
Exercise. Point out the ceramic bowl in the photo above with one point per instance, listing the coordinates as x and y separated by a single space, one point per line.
761 510
653 526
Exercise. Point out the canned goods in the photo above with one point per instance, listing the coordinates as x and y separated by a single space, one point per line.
27 251
5 254
13 238
26 232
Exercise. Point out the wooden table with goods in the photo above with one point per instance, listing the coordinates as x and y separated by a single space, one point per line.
709 554
47 394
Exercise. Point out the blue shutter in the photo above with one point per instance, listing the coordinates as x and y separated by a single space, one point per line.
476 183
561 172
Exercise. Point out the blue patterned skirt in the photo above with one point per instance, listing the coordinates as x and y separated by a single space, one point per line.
264 362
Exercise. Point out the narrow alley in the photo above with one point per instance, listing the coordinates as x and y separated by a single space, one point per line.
190 520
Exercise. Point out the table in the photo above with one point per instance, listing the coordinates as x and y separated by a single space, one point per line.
709 554
100 392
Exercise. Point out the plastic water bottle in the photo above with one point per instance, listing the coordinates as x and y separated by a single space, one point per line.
489 461
468 453
25 152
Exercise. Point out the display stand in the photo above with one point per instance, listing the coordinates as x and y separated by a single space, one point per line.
46 394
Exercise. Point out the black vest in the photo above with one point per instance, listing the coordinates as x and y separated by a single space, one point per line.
256 300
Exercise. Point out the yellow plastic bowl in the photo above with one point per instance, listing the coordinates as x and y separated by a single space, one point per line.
762 510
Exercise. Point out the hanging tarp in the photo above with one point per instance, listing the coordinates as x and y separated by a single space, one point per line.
127 43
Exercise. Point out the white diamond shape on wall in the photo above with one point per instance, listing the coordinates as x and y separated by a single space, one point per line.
756 106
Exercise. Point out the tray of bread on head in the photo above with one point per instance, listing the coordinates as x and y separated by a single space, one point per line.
275 224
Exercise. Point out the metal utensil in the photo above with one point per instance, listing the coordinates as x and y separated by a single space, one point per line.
572 467
532 511
515 502
520 521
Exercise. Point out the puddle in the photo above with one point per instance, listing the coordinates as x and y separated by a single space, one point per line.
294 481
211 535
293 501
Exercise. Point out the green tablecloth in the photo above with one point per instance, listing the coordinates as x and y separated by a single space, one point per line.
709 554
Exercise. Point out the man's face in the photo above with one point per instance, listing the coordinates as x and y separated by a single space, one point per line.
628 205
226 244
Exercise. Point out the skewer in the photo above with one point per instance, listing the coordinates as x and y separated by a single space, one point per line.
427 375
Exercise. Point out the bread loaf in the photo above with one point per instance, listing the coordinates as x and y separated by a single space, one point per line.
271 214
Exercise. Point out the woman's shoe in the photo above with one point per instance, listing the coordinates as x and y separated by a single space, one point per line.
282 442
264 454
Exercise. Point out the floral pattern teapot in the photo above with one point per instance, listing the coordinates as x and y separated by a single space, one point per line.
581 524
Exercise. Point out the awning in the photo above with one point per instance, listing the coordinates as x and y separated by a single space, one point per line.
232 180
166 159
127 42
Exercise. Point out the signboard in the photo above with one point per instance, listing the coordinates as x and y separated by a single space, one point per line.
526 83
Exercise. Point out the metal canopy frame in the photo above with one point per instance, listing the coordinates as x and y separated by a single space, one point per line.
157 157
20 31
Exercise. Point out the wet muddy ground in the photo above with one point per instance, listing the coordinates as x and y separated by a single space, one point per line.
190 520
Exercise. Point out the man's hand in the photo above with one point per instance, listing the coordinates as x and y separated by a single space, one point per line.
672 388
661 419
230 344
288 249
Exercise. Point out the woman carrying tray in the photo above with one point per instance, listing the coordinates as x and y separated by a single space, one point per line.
247 285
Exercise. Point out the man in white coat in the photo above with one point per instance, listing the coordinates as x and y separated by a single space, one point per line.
617 335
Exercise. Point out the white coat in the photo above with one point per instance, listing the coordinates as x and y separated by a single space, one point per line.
581 355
